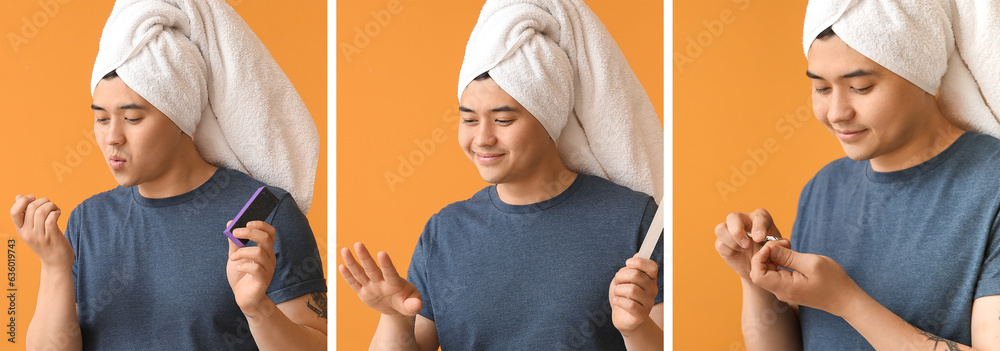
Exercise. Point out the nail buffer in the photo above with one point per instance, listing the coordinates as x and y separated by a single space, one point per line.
653 234
258 208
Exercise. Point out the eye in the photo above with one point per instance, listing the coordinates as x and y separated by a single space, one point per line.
822 90
100 120
862 90
504 122
133 120
469 121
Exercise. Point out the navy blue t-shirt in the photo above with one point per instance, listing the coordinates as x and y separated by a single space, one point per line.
923 241
151 273
495 276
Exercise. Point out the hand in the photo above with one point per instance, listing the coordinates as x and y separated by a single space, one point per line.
37 223
632 294
816 281
381 289
250 268
733 244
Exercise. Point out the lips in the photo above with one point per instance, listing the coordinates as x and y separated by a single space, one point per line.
849 135
487 157
116 162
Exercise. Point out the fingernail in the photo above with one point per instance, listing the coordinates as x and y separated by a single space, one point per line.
745 243
31 197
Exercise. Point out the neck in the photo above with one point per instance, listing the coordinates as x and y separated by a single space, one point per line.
938 134
188 172
544 185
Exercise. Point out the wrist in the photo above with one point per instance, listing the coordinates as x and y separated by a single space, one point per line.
263 309
401 320
62 268
638 328
853 303
750 288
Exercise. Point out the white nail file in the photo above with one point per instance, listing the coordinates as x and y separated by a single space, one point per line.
653 234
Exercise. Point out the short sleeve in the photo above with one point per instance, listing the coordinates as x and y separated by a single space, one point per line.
989 276
417 273
298 269
800 218
657 255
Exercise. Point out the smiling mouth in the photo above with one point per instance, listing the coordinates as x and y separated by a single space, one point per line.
488 157
847 135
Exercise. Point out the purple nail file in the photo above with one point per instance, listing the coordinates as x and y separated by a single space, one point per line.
258 208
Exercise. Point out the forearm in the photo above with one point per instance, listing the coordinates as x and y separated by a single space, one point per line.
272 330
648 336
395 333
55 325
768 323
886 331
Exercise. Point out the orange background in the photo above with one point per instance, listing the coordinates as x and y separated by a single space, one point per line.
398 91
45 98
744 80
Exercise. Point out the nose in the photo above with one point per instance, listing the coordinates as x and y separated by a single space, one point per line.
840 107
114 133
485 135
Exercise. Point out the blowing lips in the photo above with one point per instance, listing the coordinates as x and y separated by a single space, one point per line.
116 162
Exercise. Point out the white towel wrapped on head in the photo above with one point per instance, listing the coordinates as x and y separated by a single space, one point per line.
200 64
557 59
948 48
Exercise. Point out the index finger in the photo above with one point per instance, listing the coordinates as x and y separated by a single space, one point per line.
644 265
738 224
762 225
759 273
265 232
17 210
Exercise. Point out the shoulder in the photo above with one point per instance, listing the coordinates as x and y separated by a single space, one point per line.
477 203
600 190
839 168
107 199
235 181
977 152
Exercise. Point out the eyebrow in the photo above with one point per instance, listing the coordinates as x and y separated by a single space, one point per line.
131 106
853 74
503 108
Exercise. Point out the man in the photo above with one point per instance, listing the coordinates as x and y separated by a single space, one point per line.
553 287
895 247
550 113
146 265
163 268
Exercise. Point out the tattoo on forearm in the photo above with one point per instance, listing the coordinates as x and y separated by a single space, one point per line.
320 299
952 346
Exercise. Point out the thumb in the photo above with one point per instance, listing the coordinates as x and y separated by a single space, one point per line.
232 246
410 305
785 257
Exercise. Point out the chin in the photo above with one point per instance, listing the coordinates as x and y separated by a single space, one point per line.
858 155
490 177
124 181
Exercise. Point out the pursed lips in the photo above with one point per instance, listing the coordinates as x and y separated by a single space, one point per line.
116 161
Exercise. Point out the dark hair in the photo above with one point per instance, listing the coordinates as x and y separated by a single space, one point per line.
826 33
112 74
485 75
